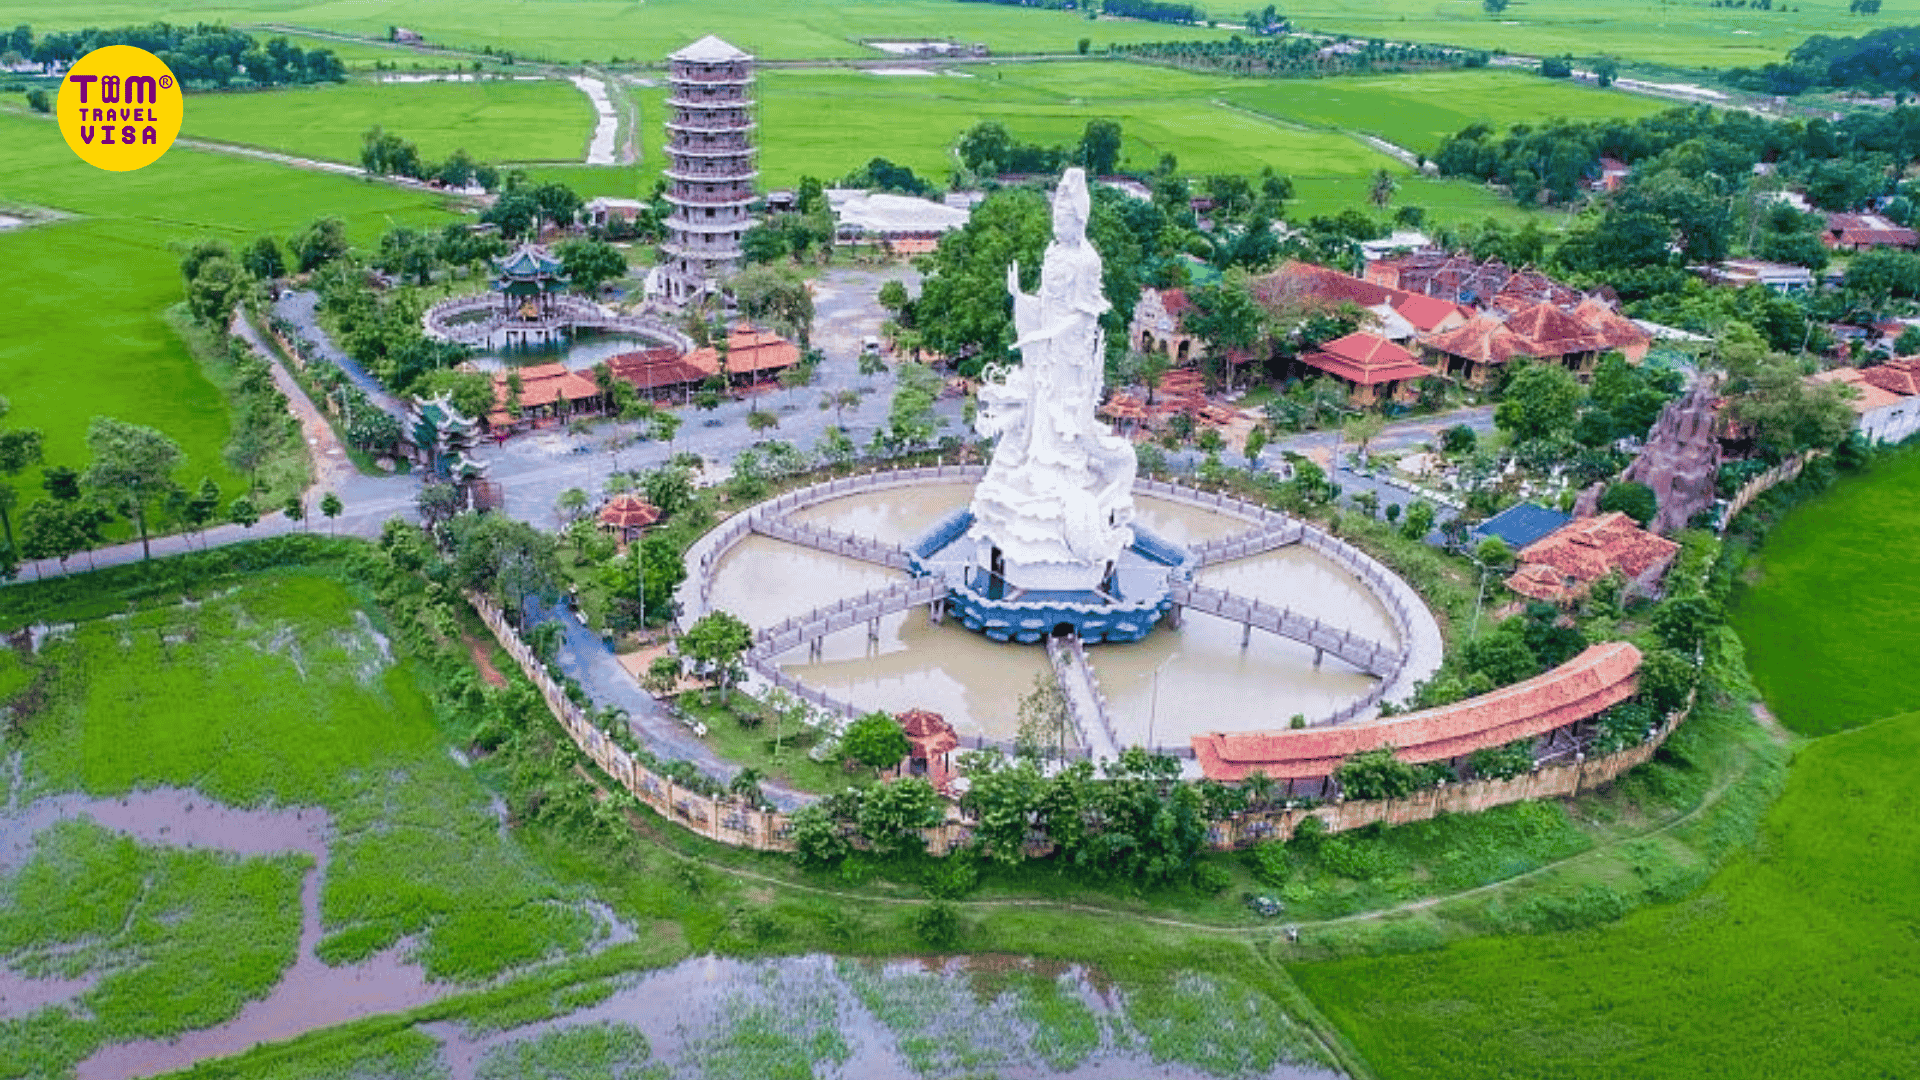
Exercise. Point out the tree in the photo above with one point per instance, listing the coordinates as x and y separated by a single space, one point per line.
330 507
1542 400
437 504
52 529
571 504
591 263
662 427
892 816
1362 430
20 448
1044 717
1227 319
963 307
214 292
760 421
910 420
716 642
1380 191
1493 553
1099 149
243 513
1418 520
507 559
294 509
132 466
893 297
319 244
779 296
263 259
1256 442
876 741
1002 799
1634 499
663 676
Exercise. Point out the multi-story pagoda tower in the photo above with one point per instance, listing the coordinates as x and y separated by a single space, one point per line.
709 165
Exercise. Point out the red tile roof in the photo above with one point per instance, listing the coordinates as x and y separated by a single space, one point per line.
1484 339
1298 282
1900 376
1867 395
749 352
1550 331
654 369
1175 301
544 384
629 512
1614 330
1568 560
1868 230
1600 677
1366 359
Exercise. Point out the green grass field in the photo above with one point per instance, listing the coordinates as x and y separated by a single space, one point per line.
599 30
94 289
1830 625
548 120
1797 960
1418 111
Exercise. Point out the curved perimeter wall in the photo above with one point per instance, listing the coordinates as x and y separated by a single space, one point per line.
1599 678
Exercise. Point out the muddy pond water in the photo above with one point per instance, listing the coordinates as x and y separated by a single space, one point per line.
1204 676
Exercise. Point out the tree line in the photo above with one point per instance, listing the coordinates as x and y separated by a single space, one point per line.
203 56
1886 60
1302 56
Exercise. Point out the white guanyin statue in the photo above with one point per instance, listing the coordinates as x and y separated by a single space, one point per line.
1055 508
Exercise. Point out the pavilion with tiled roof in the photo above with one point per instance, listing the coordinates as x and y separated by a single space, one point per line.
656 372
626 516
1562 567
1374 369
930 742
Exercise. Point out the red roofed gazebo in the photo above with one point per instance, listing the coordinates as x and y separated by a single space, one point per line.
627 516
931 740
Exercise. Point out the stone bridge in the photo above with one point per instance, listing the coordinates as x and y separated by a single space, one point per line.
1085 703
866 549
868 607
1278 532
1373 657
472 319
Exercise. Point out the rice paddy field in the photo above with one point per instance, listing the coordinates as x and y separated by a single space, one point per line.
1417 112
94 286
575 31
1832 620
497 120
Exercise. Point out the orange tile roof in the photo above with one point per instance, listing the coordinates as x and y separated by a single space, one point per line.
749 352
653 369
1366 359
1549 331
1600 677
1298 282
1614 330
1568 560
544 384
1484 338
629 512
1900 376
1867 395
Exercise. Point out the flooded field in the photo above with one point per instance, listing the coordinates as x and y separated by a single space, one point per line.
938 1018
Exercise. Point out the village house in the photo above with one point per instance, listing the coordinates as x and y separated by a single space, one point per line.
1562 567
604 210
1860 232
1613 175
547 393
1885 399
1783 278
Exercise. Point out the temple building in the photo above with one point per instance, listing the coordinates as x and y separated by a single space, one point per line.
528 281
710 167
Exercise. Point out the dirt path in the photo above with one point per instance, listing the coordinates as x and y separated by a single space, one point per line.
481 649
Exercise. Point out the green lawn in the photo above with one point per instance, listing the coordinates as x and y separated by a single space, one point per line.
1418 111
1831 626
94 289
1798 960
600 30
547 120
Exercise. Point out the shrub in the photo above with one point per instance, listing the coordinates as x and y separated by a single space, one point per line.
937 925
1376 774
1210 880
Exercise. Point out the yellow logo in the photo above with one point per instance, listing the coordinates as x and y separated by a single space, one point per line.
119 108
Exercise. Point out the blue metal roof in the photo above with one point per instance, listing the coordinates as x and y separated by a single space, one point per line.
1521 525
